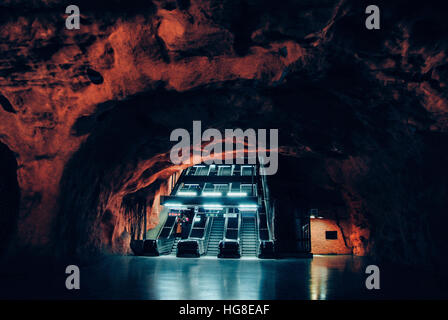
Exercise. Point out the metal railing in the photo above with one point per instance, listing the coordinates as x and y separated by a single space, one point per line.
202 241
160 230
257 223
192 225
270 209
162 244
238 228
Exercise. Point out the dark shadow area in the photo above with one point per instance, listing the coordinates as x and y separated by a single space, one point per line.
9 197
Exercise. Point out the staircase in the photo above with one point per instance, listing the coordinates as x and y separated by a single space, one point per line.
174 247
216 235
248 237
164 246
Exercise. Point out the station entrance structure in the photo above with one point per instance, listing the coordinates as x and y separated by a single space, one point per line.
216 210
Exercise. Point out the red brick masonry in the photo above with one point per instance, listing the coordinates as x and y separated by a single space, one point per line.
320 245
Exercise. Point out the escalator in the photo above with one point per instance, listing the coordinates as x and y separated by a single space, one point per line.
174 247
248 237
229 247
167 240
216 235
223 210
194 245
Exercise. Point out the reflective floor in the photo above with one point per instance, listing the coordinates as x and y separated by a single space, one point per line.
128 277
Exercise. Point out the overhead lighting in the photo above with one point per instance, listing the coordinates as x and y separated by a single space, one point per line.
187 193
213 206
211 194
312 216
248 206
237 194
174 204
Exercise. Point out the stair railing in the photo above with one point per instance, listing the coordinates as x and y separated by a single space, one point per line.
192 225
270 211
239 227
257 232
162 243
226 220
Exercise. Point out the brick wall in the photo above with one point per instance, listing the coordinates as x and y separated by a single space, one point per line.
320 245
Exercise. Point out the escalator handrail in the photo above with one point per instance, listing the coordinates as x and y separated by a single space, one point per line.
270 212
205 230
172 228
237 228
257 232
192 225
226 219
160 231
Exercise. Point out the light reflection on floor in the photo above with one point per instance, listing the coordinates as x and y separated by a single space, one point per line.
130 277
328 272
190 280
324 277
318 282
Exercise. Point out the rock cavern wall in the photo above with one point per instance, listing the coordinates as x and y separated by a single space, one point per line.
88 113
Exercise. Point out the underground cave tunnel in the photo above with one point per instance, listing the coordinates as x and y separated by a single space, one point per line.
326 202
129 170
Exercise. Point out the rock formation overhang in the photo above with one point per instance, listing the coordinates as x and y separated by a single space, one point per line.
87 113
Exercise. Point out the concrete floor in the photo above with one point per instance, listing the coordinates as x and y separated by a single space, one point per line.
216 279
129 277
